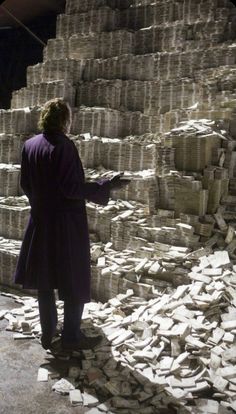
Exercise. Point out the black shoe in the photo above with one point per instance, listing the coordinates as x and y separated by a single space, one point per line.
85 342
46 341
50 342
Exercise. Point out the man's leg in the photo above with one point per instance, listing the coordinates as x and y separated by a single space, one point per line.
72 319
48 316
72 337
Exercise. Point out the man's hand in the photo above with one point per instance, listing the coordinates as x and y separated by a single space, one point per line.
118 182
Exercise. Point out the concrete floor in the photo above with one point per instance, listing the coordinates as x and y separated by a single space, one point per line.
20 393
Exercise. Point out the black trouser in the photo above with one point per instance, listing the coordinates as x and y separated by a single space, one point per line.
48 317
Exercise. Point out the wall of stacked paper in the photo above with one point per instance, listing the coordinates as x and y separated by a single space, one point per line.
152 85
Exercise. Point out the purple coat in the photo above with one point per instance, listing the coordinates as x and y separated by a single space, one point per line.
55 252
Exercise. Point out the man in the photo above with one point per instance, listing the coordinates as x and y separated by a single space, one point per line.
55 252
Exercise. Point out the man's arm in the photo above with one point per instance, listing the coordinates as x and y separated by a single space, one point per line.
25 176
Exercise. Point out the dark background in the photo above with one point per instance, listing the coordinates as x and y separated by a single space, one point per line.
18 49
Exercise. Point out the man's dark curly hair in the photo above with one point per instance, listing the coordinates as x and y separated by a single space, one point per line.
55 116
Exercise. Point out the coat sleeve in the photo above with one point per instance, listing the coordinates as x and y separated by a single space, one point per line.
70 176
25 176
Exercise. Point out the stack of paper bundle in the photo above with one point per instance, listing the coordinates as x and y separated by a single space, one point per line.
102 19
227 81
100 93
126 234
166 62
57 48
180 235
102 122
107 222
115 156
131 156
142 189
89 151
10 148
189 63
9 251
194 143
97 283
122 67
93 70
205 230
142 157
232 186
104 281
68 70
140 289
222 114
125 225
162 218
100 45
120 155
214 99
168 231
34 74
100 218
183 194
166 191
165 161
19 121
228 157
140 67
23 97
9 179
119 42
191 201
153 14
80 6
121 233
220 54
157 97
216 181
100 222
192 11
155 263
188 184
38 94
137 3
158 38
160 65
83 46
136 95
137 123
13 220
228 205
196 151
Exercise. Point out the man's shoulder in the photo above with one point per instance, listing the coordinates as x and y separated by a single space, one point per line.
56 143
65 142
32 141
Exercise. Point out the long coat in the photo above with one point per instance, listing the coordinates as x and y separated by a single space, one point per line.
55 252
